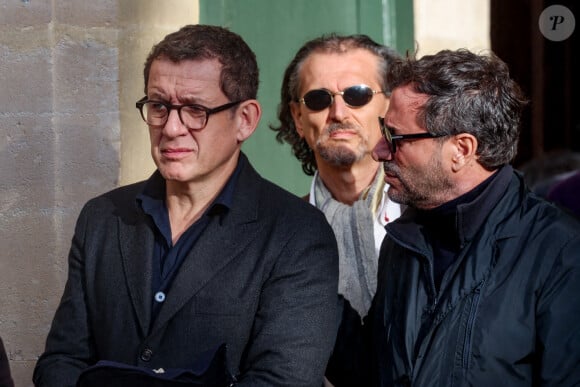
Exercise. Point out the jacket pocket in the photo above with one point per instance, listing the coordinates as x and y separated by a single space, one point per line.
471 319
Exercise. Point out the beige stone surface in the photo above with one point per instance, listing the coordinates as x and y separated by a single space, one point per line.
70 73
451 24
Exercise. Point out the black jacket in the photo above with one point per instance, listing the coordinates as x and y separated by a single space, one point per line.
262 279
508 309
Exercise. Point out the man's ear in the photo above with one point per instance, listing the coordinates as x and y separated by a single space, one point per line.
248 114
464 150
297 115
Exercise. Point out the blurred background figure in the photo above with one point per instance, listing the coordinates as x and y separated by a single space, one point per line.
565 193
541 174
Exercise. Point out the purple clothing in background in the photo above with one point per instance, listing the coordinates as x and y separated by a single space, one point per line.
566 193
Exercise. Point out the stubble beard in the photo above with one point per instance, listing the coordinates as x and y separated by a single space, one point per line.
337 154
419 188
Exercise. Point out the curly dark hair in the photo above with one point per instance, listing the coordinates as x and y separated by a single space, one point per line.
331 43
467 93
239 75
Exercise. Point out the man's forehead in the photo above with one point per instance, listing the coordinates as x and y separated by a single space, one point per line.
406 96
336 71
404 102
354 60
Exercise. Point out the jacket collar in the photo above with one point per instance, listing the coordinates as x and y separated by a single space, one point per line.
235 229
468 213
471 215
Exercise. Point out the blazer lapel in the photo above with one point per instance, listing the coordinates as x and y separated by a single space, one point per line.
221 241
136 242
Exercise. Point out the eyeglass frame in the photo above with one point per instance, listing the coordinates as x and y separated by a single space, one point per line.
341 93
208 111
390 138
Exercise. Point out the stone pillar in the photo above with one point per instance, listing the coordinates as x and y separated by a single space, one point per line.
70 73
144 23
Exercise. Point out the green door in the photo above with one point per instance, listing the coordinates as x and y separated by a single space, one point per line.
275 29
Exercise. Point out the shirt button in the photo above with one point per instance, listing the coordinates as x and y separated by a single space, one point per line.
146 354
159 296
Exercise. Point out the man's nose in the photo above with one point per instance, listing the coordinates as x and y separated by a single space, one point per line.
382 151
174 127
338 108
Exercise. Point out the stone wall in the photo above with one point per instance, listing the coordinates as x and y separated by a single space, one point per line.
451 24
70 73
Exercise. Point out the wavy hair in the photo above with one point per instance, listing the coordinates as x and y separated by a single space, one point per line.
239 77
332 43
467 93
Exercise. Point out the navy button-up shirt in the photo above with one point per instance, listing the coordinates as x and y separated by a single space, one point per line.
167 257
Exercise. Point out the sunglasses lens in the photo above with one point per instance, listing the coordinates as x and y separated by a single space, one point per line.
358 95
387 135
385 130
354 96
317 99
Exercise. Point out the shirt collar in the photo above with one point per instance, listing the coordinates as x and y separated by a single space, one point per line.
152 198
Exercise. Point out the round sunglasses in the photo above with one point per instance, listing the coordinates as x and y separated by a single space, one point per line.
354 96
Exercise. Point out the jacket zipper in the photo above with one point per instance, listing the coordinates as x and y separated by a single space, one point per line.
470 324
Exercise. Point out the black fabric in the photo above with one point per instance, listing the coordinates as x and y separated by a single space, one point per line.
262 278
343 370
506 313
507 310
441 226
210 370
5 377
167 256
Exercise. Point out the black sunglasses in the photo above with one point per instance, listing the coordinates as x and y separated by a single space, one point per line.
354 96
392 139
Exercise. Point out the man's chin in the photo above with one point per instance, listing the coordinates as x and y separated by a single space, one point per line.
396 195
339 155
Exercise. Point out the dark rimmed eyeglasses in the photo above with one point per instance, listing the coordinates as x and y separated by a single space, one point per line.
354 96
392 139
193 117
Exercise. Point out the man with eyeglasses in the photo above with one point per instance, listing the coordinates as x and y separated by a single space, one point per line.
479 279
332 92
205 272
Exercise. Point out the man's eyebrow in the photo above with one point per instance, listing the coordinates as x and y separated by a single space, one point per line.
193 100
155 96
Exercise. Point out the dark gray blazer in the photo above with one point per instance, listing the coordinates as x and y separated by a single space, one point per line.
262 279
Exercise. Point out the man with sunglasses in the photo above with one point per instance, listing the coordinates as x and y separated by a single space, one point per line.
479 279
332 92
205 271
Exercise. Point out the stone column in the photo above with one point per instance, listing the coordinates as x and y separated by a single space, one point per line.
70 72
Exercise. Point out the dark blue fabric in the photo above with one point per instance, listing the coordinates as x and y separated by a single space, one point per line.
442 229
269 264
504 316
210 369
168 257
